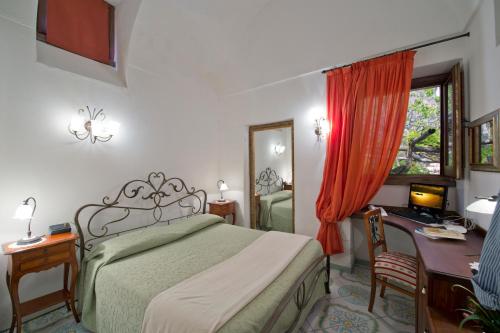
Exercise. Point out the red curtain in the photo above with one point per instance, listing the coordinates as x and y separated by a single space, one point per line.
367 104
81 27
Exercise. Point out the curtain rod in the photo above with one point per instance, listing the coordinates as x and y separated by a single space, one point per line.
418 46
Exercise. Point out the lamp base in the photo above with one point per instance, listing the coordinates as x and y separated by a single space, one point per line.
29 240
221 200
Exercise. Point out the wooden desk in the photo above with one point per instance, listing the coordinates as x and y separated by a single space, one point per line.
53 251
441 264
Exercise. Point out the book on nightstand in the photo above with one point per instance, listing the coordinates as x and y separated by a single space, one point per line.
59 228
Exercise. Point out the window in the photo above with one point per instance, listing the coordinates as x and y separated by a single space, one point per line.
83 27
431 147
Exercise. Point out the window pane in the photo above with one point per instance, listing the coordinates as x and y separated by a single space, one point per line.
419 153
486 143
449 125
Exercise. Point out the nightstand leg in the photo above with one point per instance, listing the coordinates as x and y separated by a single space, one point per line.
66 276
74 272
13 322
234 218
13 283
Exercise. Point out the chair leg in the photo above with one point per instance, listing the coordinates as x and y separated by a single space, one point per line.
372 293
382 289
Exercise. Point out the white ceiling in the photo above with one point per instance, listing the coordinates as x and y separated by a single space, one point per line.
240 44
234 45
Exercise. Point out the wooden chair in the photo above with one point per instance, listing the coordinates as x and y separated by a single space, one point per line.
387 267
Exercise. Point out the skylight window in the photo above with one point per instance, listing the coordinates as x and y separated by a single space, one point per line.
83 27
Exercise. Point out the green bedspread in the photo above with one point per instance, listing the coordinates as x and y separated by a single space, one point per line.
276 211
120 276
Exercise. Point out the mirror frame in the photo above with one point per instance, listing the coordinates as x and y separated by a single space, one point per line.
474 142
251 149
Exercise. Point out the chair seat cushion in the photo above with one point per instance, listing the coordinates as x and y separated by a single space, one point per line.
398 267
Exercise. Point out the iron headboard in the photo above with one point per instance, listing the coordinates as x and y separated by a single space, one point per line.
267 179
155 193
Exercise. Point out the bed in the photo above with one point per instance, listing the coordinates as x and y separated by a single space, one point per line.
155 234
274 202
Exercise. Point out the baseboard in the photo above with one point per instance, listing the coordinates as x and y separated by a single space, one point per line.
342 268
362 262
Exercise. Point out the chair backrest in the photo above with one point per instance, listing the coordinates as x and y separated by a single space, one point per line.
374 229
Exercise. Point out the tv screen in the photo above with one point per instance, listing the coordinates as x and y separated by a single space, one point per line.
432 197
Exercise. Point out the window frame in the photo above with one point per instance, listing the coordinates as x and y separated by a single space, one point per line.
41 32
420 83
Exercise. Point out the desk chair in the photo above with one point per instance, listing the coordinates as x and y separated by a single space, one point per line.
388 267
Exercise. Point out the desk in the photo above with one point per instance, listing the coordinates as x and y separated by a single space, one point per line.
441 264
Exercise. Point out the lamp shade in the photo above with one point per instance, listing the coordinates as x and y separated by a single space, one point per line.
483 206
23 212
223 187
77 124
112 127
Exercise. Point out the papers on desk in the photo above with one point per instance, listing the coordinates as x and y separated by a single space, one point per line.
437 233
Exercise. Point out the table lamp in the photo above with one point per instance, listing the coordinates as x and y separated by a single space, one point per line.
222 188
25 212
484 205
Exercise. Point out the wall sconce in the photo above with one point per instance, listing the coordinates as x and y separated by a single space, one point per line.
279 149
222 186
25 212
321 128
93 126
483 205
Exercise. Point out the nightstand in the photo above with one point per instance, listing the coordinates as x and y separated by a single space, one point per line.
223 208
51 252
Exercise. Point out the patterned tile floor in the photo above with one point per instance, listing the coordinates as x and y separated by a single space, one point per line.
344 311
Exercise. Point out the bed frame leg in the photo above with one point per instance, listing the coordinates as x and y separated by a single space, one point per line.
327 283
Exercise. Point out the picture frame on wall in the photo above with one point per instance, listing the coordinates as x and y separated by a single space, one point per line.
484 143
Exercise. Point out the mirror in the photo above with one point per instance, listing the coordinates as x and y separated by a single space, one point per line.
271 177
484 145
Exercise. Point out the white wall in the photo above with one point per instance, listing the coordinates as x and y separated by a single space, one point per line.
497 21
163 129
484 97
299 99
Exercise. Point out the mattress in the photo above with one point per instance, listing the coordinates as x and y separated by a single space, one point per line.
122 289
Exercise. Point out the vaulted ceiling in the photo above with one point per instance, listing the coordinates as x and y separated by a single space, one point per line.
234 45
240 44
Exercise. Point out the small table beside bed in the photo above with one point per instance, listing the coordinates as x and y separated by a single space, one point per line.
127 266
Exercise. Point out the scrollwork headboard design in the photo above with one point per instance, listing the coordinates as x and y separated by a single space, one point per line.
267 180
153 194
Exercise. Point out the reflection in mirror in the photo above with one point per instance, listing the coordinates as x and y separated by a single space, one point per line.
271 177
484 143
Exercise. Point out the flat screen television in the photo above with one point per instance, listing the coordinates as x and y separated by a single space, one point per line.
428 198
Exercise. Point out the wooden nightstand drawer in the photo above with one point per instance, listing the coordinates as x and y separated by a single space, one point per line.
43 261
222 209
43 252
